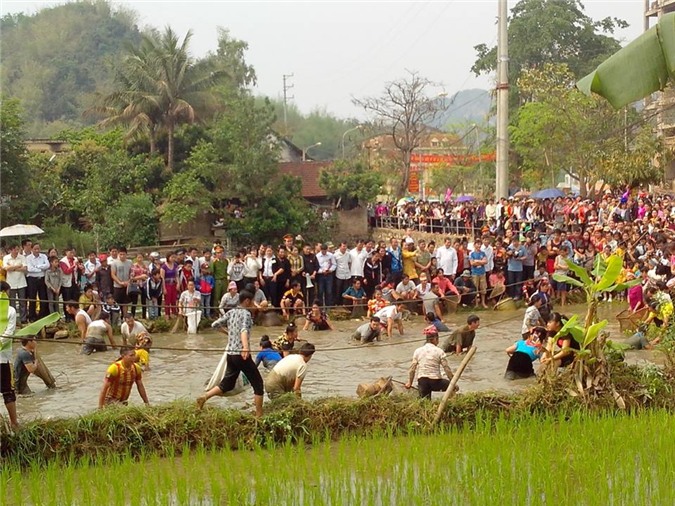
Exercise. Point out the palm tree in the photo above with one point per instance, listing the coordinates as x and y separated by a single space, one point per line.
160 87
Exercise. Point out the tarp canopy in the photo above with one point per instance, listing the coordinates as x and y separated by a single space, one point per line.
637 70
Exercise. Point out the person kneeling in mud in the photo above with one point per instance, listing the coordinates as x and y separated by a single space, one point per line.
288 375
368 332
390 314
523 353
639 341
568 346
427 362
267 355
462 338
143 345
95 331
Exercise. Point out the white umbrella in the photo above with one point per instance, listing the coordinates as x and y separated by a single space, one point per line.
21 229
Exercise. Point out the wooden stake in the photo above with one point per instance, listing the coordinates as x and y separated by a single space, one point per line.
451 388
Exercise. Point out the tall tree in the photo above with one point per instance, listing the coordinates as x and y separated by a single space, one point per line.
162 85
404 111
551 31
562 130
13 158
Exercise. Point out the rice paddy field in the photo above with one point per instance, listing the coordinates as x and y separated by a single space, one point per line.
580 459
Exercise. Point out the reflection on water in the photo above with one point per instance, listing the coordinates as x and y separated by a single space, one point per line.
336 369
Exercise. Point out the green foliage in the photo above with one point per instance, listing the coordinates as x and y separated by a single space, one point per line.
56 60
347 180
551 32
14 173
61 235
160 86
280 209
318 126
562 130
132 221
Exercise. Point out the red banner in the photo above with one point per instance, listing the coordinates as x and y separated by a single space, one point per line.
413 183
452 159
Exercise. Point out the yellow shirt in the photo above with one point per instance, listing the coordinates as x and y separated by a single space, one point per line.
143 357
121 381
2 272
409 263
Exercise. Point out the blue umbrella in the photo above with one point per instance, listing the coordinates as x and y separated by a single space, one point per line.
550 193
465 198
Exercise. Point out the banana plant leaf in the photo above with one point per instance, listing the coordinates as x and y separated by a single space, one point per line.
4 320
593 332
637 70
564 278
35 327
599 266
581 272
611 274
620 287
571 327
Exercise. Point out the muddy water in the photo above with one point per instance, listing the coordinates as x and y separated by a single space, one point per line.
336 369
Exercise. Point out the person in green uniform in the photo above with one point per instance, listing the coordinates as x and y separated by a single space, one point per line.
219 270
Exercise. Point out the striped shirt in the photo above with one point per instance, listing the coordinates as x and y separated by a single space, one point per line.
121 381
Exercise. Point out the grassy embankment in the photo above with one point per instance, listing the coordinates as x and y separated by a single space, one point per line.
580 458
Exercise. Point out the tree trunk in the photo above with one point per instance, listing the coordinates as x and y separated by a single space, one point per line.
153 144
405 176
583 183
170 145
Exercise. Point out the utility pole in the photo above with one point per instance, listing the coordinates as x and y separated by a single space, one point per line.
502 182
286 99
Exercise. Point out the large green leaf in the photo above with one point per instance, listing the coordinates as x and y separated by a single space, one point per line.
4 320
637 70
564 278
620 287
4 308
581 272
614 266
592 333
35 327
571 327
599 266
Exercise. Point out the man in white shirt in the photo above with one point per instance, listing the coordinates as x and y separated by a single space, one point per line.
390 314
131 329
37 265
324 275
6 383
447 258
427 363
289 373
343 276
489 254
359 255
91 267
16 268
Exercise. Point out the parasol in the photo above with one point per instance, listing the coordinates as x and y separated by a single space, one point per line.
21 229
550 193
465 198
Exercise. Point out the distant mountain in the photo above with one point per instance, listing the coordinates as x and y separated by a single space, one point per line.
466 106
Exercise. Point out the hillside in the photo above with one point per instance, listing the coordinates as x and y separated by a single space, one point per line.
58 59
466 106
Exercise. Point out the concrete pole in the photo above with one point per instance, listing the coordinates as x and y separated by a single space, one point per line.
502 182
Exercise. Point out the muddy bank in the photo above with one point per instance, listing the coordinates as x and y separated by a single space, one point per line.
336 369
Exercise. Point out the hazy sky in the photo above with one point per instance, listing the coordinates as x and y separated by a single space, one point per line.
339 50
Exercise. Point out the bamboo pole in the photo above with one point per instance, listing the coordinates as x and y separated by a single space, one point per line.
451 388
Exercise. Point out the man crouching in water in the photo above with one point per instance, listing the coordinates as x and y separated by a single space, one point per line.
429 359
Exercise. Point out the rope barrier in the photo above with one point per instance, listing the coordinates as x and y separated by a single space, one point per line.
307 306
323 350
